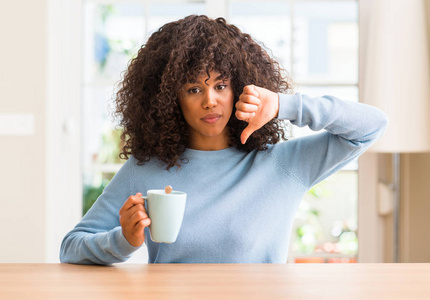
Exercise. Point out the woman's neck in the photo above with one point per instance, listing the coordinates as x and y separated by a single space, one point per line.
209 143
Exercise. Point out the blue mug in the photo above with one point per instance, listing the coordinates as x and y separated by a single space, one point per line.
166 212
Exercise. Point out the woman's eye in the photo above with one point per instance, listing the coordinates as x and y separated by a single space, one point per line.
221 86
193 91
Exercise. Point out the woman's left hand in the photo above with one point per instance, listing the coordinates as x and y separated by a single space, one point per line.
257 106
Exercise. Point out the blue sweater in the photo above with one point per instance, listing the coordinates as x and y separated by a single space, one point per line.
240 206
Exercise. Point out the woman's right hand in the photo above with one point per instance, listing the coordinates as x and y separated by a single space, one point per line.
133 219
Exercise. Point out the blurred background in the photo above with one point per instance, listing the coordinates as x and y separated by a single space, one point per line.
61 63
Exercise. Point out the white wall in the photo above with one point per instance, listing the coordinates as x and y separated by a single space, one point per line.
22 158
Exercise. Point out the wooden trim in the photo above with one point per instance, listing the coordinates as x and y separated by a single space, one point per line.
405 209
63 146
370 241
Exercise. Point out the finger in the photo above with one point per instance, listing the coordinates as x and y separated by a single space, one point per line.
138 207
141 225
249 99
130 217
131 201
244 116
250 89
137 217
245 107
138 229
246 133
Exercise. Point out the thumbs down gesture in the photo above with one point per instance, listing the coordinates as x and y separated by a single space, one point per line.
256 106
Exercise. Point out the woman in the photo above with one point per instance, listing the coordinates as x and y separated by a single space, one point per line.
201 106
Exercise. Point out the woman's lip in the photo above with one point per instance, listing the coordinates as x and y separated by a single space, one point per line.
211 120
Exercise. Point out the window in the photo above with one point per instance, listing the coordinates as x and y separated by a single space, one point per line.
315 41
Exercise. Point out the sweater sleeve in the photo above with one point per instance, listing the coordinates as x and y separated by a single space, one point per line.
98 238
350 129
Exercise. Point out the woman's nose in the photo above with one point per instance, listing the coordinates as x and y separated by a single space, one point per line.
209 100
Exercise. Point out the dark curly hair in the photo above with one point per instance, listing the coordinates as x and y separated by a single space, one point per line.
147 102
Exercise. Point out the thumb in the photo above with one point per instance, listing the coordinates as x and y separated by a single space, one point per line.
246 133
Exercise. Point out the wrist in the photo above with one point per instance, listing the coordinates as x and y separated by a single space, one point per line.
289 106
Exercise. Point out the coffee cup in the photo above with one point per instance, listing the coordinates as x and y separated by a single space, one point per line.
166 212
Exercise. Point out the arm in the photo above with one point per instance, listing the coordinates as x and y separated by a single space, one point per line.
98 238
351 128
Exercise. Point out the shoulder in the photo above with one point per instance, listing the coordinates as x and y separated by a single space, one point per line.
132 167
133 162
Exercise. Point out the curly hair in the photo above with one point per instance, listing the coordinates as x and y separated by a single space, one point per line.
147 101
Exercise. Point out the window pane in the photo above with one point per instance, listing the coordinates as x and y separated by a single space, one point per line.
267 22
326 222
161 14
349 93
113 34
101 143
326 41
99 134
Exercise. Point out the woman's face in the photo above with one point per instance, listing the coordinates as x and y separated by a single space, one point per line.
207 107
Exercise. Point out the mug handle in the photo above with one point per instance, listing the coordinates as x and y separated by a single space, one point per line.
145 198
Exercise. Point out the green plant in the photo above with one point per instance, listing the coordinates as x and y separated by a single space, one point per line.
111 147
90 195
109 153
345 236
308 230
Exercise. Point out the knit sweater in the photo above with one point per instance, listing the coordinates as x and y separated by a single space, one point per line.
240 206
